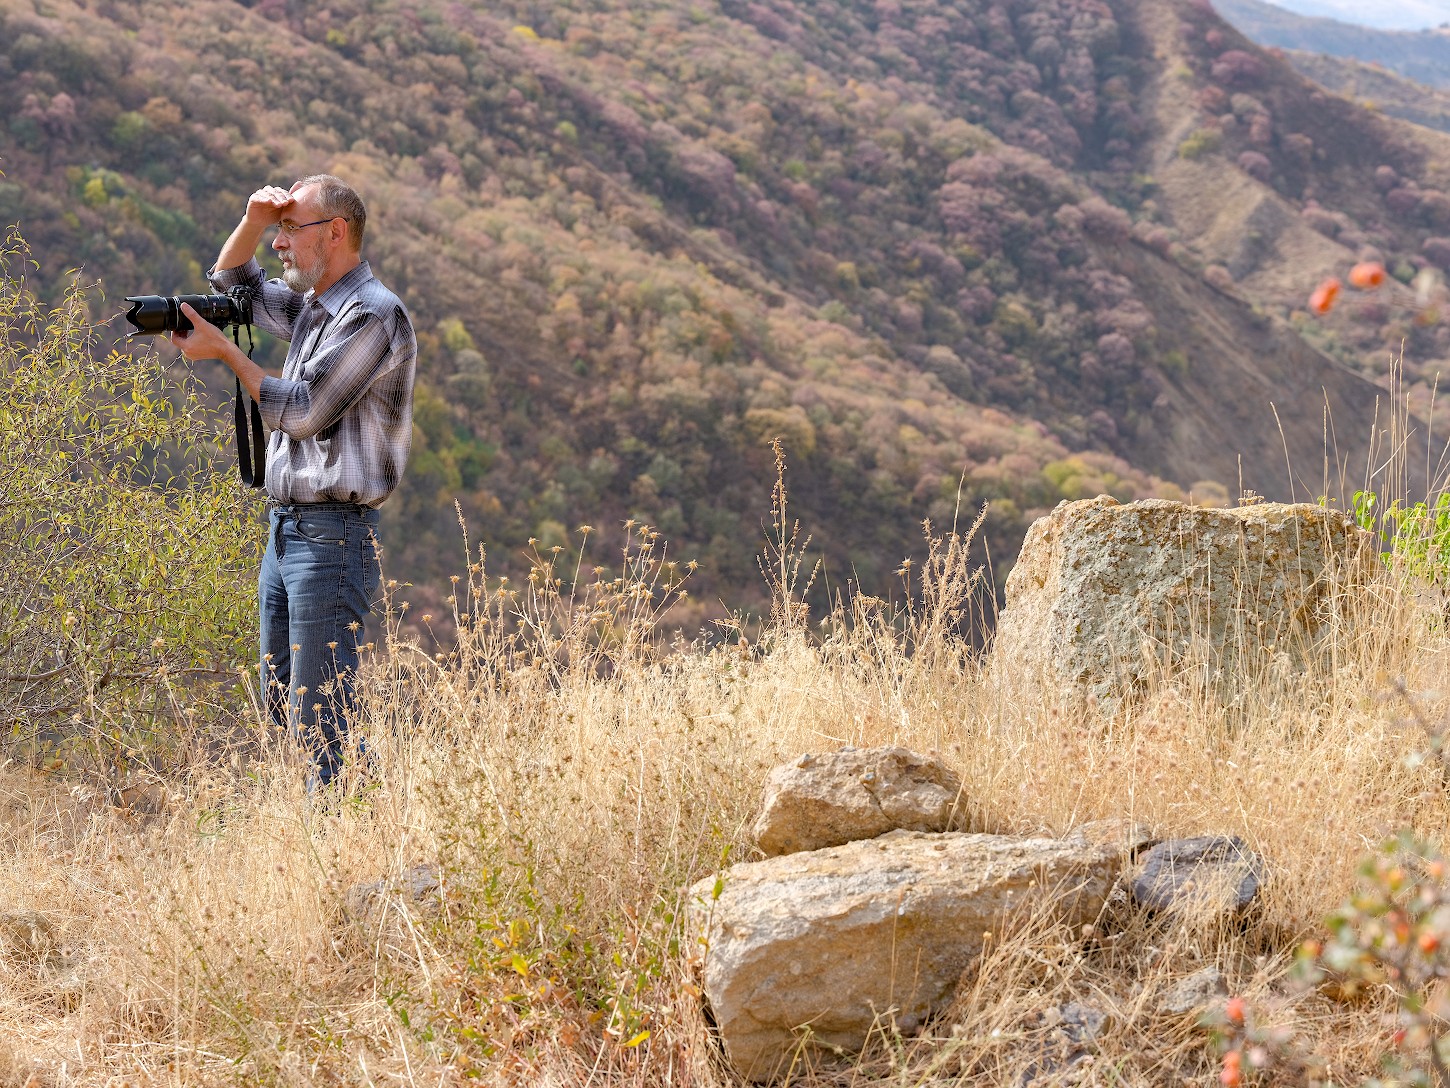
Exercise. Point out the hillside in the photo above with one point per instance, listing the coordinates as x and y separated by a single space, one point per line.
1377 89
950 254
1421 55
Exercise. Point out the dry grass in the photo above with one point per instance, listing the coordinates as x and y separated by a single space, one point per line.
567 776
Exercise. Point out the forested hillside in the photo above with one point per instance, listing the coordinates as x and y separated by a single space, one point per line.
949 253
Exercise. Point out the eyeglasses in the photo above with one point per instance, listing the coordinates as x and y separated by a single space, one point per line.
293 228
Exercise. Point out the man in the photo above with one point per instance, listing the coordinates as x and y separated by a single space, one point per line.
341 423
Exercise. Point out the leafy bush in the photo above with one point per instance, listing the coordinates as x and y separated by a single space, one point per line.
1390 936
1417 536
124 557
1199 143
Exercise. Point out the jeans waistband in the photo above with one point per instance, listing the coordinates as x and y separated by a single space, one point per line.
317 507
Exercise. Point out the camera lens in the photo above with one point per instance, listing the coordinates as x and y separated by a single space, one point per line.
216 309
150 314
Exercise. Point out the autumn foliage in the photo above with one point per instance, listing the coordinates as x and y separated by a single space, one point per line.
640 243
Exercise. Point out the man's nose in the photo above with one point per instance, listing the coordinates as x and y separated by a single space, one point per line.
280 242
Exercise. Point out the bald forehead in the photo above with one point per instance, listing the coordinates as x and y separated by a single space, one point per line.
305 196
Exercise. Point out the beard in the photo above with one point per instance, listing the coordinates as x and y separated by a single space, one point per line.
302 278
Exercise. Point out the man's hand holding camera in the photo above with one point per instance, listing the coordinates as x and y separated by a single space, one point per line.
206 341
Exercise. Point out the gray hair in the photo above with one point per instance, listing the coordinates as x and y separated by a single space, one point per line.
337 199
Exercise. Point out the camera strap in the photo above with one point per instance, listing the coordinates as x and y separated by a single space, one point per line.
251 441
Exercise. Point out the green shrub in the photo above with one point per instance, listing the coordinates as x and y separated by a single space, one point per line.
1199 143
1417 537
125 559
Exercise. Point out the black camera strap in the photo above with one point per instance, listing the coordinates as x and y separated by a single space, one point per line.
251 442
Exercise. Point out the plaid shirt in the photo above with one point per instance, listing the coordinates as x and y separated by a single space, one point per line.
341 414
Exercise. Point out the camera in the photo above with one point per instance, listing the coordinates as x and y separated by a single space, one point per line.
152 314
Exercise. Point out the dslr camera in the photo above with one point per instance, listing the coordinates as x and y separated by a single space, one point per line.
152 314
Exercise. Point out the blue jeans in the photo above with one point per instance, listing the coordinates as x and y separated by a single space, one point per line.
315 592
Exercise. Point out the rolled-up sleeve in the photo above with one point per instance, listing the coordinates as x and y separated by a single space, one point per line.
354 353
275 306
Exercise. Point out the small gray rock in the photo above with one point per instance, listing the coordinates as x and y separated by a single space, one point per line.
28 939
65 983
420 888
1212 876
1082 1024
1075 1030
1196 992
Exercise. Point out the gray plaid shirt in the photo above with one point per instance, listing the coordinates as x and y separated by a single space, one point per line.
341 414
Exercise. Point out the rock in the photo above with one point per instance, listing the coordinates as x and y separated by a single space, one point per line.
1074 1030
65 984
419 890
1104 594
28 939
822 946
138 797
1082 1024
1210 877
1195 993
1118 832
1053 1070
855 793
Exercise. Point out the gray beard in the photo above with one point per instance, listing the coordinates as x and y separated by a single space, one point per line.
301 281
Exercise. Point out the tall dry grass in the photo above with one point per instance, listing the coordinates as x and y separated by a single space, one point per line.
567 767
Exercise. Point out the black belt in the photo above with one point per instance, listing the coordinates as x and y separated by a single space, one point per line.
326 504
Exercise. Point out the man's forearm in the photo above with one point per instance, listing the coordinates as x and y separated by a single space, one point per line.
241 247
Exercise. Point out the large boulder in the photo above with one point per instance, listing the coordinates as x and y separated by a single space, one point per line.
855 793
1105 594
819 948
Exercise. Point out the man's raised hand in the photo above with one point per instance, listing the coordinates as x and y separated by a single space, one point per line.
267 204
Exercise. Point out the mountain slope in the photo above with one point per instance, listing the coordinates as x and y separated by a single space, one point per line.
950 253
1421 55
1375 88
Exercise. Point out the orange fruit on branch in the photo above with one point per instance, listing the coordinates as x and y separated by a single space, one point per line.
1324 296
1367 275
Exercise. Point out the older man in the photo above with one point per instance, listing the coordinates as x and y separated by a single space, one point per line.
341 423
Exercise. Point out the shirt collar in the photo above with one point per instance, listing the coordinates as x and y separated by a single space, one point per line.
333 298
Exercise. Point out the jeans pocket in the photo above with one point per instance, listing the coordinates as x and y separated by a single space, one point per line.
322 528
